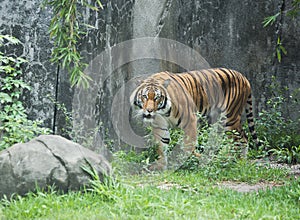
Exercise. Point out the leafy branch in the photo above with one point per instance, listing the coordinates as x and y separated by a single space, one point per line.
270 20
66 29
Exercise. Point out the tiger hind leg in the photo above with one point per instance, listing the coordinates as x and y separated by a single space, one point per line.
190 137
233 128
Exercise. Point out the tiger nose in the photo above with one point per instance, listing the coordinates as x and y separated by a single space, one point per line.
149 110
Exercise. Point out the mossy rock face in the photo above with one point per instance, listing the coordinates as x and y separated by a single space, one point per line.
46 161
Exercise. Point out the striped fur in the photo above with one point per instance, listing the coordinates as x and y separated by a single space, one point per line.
172 100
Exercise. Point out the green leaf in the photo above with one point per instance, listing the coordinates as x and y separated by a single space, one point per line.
270 20
100 4
10 39
283 50
280 49
89 26
5 98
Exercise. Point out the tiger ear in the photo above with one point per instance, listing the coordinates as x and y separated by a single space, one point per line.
139 82
166 83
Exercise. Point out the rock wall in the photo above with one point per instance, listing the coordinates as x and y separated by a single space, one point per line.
27 21
225 34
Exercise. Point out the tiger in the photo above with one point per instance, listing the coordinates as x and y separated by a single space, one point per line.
167 100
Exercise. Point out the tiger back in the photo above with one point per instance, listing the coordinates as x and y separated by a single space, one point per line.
173 100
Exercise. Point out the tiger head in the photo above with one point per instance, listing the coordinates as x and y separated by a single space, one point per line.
150 99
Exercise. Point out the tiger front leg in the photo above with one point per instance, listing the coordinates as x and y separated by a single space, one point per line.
162 137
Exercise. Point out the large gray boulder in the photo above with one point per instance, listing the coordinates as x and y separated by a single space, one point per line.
45 161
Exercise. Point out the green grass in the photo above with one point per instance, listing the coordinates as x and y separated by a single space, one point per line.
189 195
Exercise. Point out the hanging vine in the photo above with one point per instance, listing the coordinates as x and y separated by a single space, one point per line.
66 29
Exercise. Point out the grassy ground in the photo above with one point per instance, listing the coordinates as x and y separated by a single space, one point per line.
169 195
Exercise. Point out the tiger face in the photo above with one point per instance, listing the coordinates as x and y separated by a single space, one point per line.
151 99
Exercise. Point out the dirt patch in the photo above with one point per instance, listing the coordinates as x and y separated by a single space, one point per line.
242 187
293 170
245 187
169 185
237 186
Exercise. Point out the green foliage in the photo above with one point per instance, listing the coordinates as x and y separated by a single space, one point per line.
131 161
242 170
103 188
295 10
270 20
184 195
280 49
216 147
76 131
14 125
66 29
124 160
289 155
280 135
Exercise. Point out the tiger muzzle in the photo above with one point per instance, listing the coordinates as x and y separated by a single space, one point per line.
147 116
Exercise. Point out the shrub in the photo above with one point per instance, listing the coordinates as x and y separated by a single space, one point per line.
217 149
15 127
279 134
